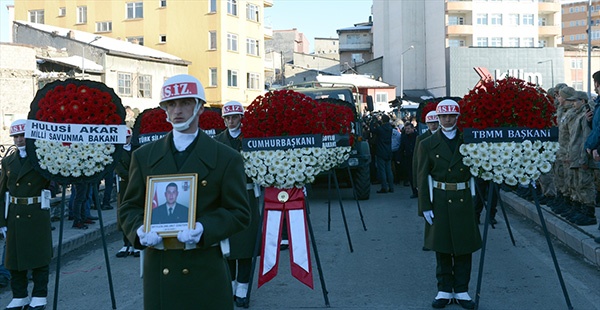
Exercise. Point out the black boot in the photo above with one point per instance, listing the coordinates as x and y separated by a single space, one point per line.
589 217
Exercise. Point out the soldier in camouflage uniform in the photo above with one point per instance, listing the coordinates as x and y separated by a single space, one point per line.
560 174
583 191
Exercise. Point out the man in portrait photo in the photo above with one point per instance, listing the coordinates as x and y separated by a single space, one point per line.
170 211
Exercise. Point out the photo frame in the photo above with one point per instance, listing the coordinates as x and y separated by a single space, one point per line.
170 203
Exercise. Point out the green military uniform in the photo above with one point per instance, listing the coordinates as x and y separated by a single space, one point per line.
415 162
199 278
454 229
242 244
29 232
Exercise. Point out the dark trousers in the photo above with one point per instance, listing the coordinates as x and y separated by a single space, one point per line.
18 282
453 272
483 189
242 272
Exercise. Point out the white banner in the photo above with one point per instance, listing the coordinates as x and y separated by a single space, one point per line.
76 133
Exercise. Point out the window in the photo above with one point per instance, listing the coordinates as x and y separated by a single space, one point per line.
577 63
145 86
482 42
528 19
124 81
163 3
232 7
357 58
135 10
232 42
527 42
232 78
513 19
103 26
577 85
36 16
542 43
482 19
162 38
496 19
381 98
456 42
252 47
571 38
456 20
542 21
572 23
253 81
136 40
212 6
62 11
496 42
212 77
513 42
82 14
212 40
252 12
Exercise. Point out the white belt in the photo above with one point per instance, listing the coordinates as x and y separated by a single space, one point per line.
450 186
25 200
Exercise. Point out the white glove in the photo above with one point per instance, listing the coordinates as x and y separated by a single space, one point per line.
148 239
428 216
191 236
3 231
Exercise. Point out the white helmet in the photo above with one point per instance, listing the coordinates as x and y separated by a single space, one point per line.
182 86
431 117
17 127
447 106
232 108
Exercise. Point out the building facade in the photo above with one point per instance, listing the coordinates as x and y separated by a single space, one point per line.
431 27
287 42
224 40
575 22
356 45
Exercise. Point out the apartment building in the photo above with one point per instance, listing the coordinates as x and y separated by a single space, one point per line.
224 40
575 25
416 39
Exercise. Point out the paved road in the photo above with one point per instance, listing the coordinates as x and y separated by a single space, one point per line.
387 270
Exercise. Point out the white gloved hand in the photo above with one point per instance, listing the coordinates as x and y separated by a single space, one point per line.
3 231
191 235
148 239
428 216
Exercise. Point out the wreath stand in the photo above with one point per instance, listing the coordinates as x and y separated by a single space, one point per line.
314 247
493 188
333 173
60 239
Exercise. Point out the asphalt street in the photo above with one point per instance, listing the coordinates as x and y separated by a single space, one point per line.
386 270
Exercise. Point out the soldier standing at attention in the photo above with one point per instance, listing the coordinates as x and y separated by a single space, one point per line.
446 201
26 223
188 272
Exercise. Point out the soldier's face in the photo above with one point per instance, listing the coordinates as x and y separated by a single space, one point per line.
180 110
433 126
19 140
171 194
448 120
232 121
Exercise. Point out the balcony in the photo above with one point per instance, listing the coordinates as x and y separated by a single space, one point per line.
268 33
268 3
459 29
549 30
349 47
548 6
459 6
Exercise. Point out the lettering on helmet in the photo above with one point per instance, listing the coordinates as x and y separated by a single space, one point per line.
447 109
232 108
20 128
179 89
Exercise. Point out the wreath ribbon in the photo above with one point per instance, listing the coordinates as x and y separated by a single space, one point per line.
291 203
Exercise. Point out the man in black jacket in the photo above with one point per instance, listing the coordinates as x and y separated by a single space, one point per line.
383 154
407 149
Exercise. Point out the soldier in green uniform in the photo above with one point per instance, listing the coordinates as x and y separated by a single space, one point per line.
242 244
188 272
446 200
122 170
27 224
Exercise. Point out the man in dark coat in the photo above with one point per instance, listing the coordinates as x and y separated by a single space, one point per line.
122 171
242 244
383 154
170 211
407 148
27 225
192 272
445 196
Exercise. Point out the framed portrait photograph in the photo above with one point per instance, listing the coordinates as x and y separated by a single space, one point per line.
170 203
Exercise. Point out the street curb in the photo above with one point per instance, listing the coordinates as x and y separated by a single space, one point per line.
580 239
74 242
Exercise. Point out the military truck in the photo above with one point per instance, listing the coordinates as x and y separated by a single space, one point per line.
360 156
